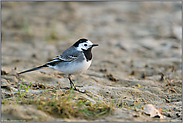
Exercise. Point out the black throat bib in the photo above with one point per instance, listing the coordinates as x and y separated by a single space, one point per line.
88 54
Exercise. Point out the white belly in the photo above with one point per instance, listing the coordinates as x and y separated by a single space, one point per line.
74 67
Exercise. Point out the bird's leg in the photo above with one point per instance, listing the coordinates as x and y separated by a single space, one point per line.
71 83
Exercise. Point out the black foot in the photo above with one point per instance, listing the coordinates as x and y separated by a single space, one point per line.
79 90
67 88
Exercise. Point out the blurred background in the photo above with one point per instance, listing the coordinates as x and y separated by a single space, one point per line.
126 31
53 21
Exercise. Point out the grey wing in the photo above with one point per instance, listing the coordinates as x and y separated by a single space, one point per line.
71 54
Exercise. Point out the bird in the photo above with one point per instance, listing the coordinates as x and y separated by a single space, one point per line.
74 60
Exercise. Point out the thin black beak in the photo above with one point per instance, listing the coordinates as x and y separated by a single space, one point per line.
94 45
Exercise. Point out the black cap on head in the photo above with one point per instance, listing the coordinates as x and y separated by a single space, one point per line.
80 41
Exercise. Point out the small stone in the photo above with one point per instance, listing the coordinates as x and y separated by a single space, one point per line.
103 70
111 77
136 115
178 114
167 100
3 72
143 75
132 73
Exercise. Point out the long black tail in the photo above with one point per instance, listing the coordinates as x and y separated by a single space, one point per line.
36 68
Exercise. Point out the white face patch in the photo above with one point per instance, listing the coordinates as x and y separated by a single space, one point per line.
85 45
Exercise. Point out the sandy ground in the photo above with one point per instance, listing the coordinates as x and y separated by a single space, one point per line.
138 58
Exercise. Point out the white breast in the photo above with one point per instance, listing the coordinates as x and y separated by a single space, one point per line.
74 67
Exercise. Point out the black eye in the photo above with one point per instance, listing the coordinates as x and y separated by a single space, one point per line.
85 44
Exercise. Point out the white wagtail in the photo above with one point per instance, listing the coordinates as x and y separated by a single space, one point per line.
74 60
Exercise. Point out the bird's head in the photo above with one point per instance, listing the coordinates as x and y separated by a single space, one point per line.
84 44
